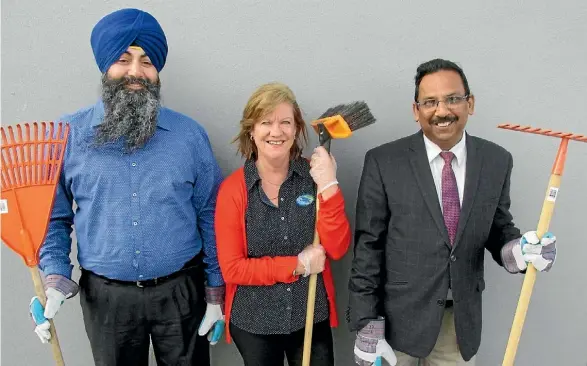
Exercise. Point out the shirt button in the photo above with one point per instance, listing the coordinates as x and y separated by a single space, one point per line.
133 164
289 289
285 237
134 223
453 258
282 218
288 308
281 199
134 194
140 276
138 252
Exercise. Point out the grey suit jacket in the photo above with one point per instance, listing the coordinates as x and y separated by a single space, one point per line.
403 261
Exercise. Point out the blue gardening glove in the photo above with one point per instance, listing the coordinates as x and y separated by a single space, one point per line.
57 289
541 253
371 347
213 321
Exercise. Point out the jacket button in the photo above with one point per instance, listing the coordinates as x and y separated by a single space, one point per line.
440 302
453 258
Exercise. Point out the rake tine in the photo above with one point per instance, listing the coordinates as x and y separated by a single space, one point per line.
28 154
6 160
50 153
35 147
12 156
20 149
44 157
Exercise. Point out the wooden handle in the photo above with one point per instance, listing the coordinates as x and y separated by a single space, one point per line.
530 276
40 292
309 329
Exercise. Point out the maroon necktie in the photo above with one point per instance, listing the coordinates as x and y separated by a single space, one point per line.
451 207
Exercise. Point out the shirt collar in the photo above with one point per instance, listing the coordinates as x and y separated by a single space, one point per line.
433 150
99 117
300 166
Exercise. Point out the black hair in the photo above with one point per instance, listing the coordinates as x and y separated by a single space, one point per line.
432 66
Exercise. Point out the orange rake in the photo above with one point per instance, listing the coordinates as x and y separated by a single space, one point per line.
31 165
543 223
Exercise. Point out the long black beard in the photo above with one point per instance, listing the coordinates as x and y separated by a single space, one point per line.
129 115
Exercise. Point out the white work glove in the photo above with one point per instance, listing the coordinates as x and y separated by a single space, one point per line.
213 321
371 347
57 289
312 258
323 169
541 253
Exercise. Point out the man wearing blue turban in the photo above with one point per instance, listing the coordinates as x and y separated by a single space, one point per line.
145 180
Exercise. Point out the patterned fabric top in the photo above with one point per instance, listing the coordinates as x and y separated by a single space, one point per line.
140 215
279 231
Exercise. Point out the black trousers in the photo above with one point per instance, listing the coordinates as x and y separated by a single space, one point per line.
120 319
269 350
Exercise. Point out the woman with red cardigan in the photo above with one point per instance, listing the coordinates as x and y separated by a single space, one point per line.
265 220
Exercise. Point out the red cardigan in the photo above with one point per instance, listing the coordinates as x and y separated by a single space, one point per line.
231 241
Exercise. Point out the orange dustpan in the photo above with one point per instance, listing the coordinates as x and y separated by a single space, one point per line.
31 164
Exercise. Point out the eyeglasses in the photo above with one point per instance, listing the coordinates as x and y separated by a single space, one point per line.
450 102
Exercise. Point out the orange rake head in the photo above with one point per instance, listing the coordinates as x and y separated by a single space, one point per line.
544 131
561 155
31 164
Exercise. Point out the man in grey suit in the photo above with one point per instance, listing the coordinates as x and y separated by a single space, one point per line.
428 206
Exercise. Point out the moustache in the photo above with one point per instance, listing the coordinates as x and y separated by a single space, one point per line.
129 80
437 120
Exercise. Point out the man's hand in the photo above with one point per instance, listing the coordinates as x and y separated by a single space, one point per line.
371 347
540 252
57 289
213 321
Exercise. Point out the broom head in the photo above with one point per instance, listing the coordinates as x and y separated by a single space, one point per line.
31 164
342 120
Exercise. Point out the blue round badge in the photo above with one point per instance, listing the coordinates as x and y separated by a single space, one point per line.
305 200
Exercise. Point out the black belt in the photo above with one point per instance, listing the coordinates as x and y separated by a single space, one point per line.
192 264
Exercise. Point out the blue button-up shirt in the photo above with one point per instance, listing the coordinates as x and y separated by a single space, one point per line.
139 216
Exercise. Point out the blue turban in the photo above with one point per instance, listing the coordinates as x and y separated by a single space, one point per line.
115 32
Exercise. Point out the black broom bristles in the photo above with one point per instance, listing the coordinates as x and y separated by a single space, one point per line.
356 114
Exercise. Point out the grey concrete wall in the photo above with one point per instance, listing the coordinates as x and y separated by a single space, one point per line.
525 62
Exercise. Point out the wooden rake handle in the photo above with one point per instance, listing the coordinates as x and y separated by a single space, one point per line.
40 292
530 276
311 303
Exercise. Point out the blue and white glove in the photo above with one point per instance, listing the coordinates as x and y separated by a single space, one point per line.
529 249
371 347
57 289
213 321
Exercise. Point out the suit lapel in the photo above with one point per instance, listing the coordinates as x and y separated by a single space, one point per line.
423 174
472 174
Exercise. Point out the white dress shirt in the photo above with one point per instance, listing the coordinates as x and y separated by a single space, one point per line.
459 166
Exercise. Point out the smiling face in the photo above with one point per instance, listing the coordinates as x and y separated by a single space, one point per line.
272 126
442 107
274 134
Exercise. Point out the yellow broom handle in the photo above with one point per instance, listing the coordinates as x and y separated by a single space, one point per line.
311 302
530 276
